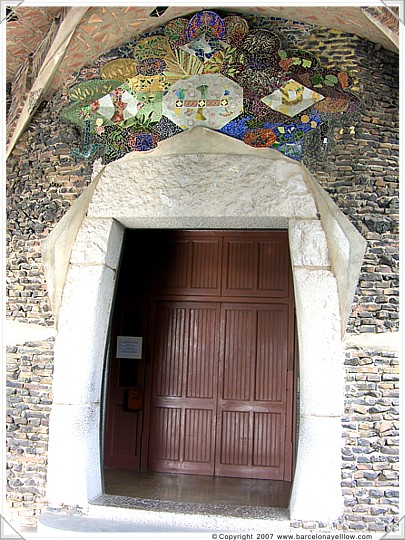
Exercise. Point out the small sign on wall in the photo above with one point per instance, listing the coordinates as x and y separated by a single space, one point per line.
129 347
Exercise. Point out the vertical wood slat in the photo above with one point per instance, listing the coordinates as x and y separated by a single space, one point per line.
235 438
198 436
241 267
267 441
172 340
273 271
174 274
202 352
256 267
240 329
167 431
272 351
205 267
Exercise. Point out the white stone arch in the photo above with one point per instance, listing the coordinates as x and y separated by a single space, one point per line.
198 180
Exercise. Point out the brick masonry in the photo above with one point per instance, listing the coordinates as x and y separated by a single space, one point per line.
359 169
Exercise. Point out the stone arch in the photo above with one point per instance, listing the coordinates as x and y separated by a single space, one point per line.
200 180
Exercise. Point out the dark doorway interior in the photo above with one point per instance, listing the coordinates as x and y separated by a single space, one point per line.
210 389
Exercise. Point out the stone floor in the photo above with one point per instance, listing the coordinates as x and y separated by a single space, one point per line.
162 503
197 489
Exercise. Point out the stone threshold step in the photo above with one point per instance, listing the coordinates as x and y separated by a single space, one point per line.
58 525
122 503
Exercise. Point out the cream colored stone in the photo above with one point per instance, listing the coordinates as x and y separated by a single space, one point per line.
80 344
98 242
320 348
346 248
387 341
57 247
17 333
316 493
201 186
308 243
73 456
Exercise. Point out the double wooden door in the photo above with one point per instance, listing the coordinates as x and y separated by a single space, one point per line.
220 374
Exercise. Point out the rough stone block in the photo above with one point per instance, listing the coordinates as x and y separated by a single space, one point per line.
308 243
98 242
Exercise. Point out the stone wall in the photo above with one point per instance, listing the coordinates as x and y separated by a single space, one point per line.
29 369
359 171
370 474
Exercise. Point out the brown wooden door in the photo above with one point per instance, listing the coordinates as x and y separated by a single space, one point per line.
252 403
184 398
223 345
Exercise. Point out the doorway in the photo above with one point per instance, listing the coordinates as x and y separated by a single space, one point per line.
202 357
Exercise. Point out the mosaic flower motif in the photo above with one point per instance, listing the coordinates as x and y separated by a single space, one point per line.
236 128
150 67
292 98
176 32
165 128
260 138
142 142
151 47
148 83
236 29
118 106
221 58
296 61
259 82
206 22
91 90
121 69
261 43
180 65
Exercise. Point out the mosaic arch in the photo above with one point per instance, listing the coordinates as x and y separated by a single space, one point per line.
212 72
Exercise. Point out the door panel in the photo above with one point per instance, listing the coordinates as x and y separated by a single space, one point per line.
252 399
240 348
187 332
172 340
256 266
189 265
267 441
272 354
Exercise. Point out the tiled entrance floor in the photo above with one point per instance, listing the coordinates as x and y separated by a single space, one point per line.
184 488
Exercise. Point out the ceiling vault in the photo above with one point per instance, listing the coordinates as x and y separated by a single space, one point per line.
46 72
386 21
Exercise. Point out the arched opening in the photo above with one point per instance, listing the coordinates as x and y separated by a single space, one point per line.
225 186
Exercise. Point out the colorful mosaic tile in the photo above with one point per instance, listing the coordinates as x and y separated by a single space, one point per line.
204 47
203 100
236 29
206 22
292 98
211 72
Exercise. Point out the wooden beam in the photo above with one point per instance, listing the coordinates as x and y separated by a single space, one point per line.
47 72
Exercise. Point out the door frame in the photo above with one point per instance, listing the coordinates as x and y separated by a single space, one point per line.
74 474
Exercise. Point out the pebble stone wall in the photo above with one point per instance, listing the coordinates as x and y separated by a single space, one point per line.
359 171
